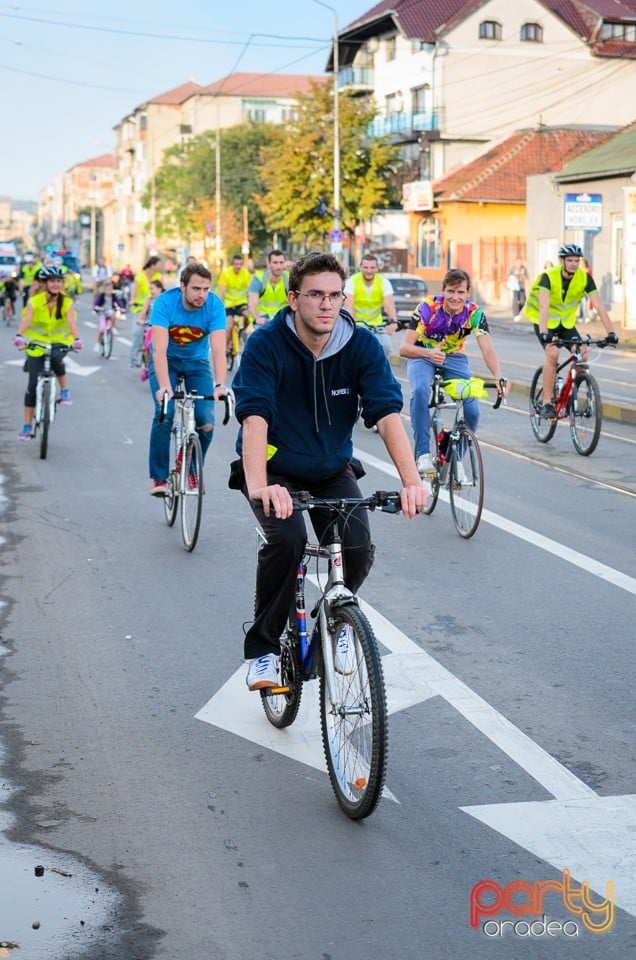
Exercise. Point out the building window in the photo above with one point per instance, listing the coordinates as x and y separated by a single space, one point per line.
390 44
618 31
289 114
257 115
532 32
185 129
428 253
143 122
418 45
490 30
419 98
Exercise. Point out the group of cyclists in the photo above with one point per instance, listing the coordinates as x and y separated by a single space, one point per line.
311 366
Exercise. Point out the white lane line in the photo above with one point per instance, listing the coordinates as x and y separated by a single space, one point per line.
580 560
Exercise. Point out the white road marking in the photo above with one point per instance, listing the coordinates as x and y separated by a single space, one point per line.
580 560
71 367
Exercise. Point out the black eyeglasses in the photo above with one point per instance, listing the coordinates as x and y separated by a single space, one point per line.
317 296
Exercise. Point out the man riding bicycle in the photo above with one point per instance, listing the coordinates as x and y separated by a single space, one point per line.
367 295
186 323
552 306
297 390
267 292
232 286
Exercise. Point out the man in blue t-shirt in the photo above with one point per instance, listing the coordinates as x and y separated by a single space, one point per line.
185 323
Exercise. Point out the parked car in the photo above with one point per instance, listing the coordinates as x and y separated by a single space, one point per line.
408 290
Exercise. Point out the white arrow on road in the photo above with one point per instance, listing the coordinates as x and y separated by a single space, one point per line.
592 836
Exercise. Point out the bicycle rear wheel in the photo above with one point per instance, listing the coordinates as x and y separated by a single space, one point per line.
586 414
192 497
466 472
355 727
543 429
281 709
107 342
171 499
46 418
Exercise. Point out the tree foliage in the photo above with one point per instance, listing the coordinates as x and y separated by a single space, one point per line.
299 175
185 185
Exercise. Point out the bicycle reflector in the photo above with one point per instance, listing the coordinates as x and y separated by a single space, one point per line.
463 389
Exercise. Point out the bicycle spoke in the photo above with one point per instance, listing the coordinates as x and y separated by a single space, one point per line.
466 483
585 414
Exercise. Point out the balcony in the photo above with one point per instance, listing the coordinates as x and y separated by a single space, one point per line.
356 79
402 125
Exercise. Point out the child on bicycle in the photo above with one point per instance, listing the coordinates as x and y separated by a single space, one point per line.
107 302
156 287
435 339
49 317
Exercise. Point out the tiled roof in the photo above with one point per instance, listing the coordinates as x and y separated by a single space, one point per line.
616 157
428 19
262 85
178 94
499 175
104 160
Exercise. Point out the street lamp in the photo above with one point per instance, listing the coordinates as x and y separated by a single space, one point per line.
336 129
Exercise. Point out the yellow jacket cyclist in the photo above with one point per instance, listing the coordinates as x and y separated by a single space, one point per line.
49 317
552 306
267 294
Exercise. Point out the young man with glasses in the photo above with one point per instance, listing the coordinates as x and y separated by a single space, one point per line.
297 392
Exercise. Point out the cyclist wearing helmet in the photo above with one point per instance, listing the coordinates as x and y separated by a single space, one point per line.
49 317
552 306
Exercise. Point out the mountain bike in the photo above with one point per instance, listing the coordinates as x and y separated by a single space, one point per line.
455 451
185 481
46 398
353 711
576 398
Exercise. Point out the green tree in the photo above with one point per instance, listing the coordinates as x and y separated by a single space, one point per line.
298 169
185 185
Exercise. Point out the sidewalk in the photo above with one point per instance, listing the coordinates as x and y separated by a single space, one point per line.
500 320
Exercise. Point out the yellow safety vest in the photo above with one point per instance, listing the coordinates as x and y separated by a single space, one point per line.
29 270
560 311
236 285
143 292
272 299
45 326
367 302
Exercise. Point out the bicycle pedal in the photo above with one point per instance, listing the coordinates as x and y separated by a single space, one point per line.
276 691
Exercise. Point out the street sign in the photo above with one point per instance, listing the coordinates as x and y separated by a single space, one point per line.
583 211
245 248
121 246
336 236
335 246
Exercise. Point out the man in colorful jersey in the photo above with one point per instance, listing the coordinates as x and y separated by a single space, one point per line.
436 339
186 322
367 294
267 294
552 306
232 286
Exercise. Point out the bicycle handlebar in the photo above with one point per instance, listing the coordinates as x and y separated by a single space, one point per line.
587 342
228 400
387 501
49 347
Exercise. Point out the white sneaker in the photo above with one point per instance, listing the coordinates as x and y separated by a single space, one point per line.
263 672
344 658
424 464
97 348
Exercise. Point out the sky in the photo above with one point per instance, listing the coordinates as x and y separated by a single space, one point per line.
70 71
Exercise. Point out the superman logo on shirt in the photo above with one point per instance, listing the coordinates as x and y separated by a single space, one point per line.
182 335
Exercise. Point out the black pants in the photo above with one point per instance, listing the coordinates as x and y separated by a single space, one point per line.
34 365
278 559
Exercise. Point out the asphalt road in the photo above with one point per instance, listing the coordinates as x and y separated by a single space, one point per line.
134 752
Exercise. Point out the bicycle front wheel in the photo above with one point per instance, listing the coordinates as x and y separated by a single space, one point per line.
107 342
171 499
192 497
466 472
586 414
543 429
355 725
281 709
46 418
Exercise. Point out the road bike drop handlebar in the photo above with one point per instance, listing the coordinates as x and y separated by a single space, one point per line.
387 501
228 401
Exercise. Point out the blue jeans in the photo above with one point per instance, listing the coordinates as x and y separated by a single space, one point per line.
198 377
420 373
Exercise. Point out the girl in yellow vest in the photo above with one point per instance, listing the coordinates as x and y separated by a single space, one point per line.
49 317
138 296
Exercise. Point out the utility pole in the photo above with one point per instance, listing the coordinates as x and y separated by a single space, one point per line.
336 233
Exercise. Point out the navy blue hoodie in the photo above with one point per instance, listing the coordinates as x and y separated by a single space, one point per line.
311 403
